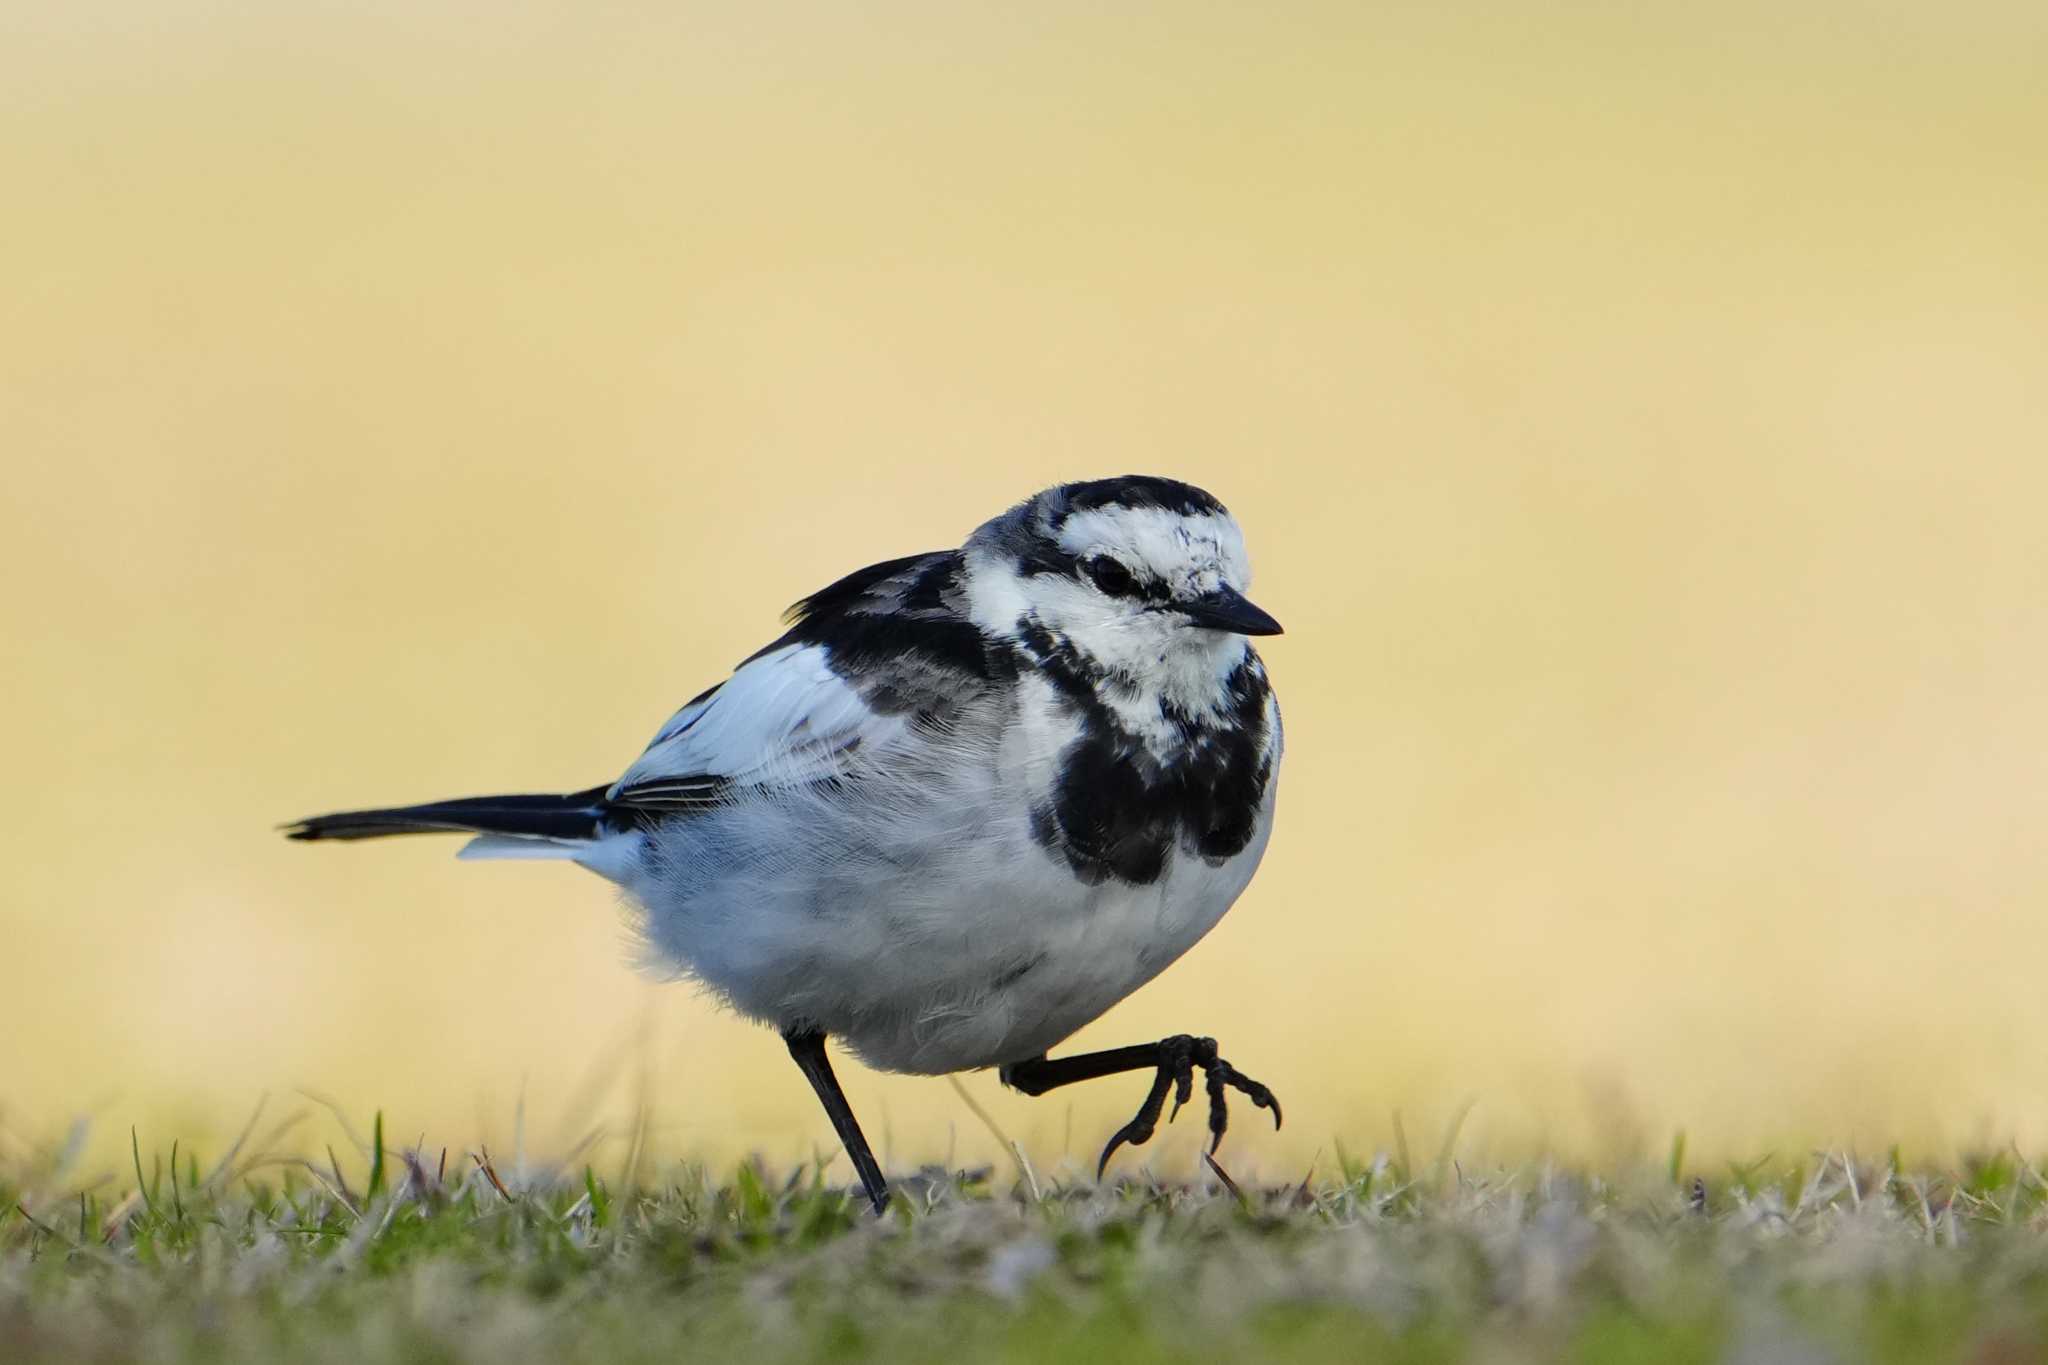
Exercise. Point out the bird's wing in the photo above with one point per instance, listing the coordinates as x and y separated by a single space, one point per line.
783 719
866 662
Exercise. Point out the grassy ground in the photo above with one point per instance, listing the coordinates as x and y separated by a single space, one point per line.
451 1259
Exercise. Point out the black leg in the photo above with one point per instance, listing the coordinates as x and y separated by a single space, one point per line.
808 1047
1173 1061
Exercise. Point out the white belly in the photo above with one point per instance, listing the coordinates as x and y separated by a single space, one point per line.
935 936
1117 940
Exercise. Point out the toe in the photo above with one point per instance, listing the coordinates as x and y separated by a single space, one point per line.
1183 1088
1140 1129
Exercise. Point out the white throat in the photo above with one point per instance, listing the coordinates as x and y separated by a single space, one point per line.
1145 662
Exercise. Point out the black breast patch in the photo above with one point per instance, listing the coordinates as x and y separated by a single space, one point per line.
1115 811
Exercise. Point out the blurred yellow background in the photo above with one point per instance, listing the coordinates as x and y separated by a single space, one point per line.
1639 415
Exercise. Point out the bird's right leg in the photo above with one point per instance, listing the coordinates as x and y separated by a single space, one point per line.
808 1047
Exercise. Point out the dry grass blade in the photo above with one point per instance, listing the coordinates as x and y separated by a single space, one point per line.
117 1217
339 1194
227 1158
482 1157
1228 1184
340 1183
46 1229
1302 1198
348 1128
1016 1150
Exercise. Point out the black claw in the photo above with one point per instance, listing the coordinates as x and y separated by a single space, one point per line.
1183 1087
1178 1058
1260 1097
1127 1133
1219 1112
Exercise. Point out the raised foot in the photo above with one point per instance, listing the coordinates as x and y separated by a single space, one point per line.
1178 1057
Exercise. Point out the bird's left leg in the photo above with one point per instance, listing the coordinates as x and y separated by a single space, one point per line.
1173 1061
808 1047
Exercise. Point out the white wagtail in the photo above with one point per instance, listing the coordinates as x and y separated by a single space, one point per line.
967 802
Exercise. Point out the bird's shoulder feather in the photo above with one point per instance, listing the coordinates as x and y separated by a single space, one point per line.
881 655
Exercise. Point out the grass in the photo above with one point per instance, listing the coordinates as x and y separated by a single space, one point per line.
447 1257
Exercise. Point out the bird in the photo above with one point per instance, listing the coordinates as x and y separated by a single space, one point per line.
966 802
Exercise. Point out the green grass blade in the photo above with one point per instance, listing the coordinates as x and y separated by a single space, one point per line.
376 1156
141 1185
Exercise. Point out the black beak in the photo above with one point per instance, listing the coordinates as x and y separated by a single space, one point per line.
1227 609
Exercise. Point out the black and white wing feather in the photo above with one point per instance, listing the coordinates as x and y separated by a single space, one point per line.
784 719
879 657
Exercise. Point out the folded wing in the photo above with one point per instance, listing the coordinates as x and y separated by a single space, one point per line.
883 655
784 719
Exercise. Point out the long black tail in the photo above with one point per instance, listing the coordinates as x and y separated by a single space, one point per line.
574 815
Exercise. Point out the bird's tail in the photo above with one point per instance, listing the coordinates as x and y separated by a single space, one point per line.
573 816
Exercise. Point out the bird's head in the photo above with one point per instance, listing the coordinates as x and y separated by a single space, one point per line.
1145 577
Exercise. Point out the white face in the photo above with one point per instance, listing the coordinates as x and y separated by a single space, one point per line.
1189 555
1136 564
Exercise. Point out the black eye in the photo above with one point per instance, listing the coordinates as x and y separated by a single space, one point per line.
1109 576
